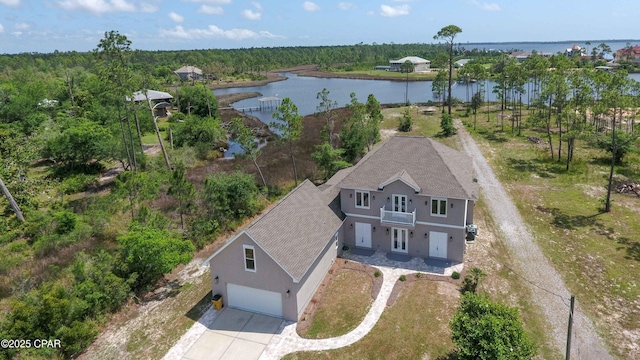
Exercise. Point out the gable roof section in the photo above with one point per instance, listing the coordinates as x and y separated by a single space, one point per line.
432 167
188 69
412 59
403 176
295 230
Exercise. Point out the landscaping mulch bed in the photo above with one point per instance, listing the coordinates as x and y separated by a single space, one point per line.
339 264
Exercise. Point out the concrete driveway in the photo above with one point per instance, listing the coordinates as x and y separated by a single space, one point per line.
234 334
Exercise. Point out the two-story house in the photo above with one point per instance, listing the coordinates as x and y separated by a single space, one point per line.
409 195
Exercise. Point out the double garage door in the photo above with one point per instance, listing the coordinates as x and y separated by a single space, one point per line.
254 300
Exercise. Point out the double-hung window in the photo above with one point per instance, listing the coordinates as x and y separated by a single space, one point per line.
249 258
362 199
439 207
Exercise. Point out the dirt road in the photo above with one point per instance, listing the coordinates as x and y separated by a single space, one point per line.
548 289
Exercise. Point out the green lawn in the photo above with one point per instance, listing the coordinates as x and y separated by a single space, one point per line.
345 303
417 324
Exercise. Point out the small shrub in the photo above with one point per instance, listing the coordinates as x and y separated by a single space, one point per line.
403 278
455 275
419 275
345 248
377 273
405 123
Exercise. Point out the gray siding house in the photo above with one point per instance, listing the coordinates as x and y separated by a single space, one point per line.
275 265
410 195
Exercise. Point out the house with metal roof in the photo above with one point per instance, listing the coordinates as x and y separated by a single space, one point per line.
189 72
160 100
419 64
408 197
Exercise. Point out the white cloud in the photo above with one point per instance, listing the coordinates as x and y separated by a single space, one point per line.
97 6
176 17
346 6
486 6
251 15
215 32
13 3
257 5
309 6
393 11
211 10
148 8
22 26
1 29
219 2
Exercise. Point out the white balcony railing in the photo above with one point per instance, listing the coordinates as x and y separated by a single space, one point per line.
397 218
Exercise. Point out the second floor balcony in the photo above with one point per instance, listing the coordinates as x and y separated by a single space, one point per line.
388 217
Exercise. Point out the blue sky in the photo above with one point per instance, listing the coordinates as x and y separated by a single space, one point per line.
64 25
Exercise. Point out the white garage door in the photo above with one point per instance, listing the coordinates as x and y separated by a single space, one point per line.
255 300
438 244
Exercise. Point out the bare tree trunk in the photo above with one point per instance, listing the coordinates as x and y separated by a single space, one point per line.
260 171
12 202
293 162
614 150
155 125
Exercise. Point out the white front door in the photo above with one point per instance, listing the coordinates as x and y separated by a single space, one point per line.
255 300
400 203
438 244
363 235
399 240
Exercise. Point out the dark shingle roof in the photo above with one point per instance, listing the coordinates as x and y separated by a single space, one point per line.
296 230
434 168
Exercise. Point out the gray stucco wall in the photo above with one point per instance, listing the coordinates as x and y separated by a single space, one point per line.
418 244
422 204
310 282
228 265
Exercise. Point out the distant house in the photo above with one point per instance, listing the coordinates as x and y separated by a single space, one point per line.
189 73
575 50
160 100
631 53
419 64
461 62
520 55
409 197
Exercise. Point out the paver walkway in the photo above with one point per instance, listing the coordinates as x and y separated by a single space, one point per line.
195 344
288 341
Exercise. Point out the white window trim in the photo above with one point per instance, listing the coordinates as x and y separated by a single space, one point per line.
406 240
362 192
244 257
406 203
336 239
437 213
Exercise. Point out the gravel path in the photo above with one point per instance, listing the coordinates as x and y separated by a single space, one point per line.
554 302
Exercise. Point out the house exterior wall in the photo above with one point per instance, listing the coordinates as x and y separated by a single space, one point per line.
421 67
228 265
418 241
312 279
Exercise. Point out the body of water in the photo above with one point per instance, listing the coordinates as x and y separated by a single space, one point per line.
303 90
550 47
